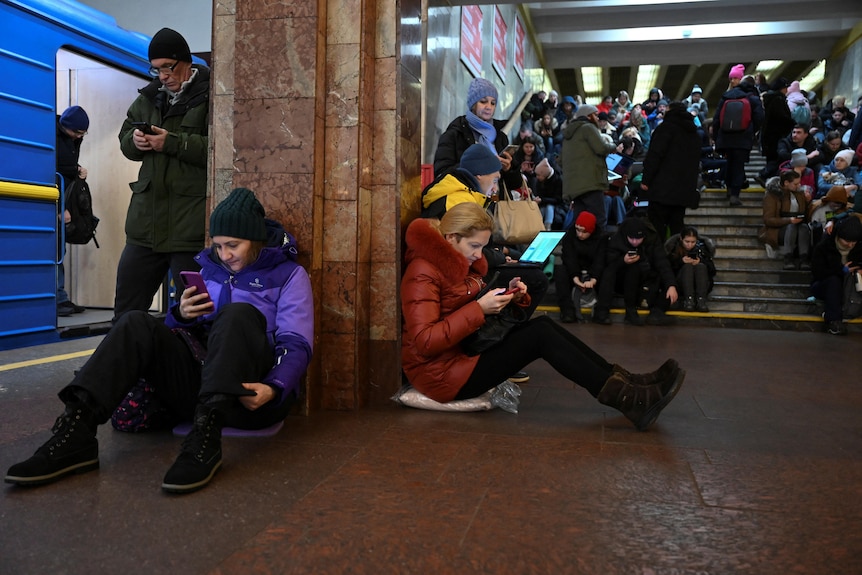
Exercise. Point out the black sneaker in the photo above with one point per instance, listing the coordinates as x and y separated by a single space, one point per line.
658 317
72 449
601 317
568 316
65 309
836 328
520 377
632 317
77 308
200 455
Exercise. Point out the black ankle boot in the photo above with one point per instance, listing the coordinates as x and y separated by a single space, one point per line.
200 455
632 317
641 404
72 449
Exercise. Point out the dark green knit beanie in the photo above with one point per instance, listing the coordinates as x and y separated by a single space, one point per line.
239 215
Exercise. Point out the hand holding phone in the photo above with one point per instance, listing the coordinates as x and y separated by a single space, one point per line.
144 127
511 149
508 291
196 279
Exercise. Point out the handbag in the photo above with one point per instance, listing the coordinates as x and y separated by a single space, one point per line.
517 222
494 330
496 327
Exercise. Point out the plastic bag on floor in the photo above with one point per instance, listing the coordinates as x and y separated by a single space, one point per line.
506 396
411 397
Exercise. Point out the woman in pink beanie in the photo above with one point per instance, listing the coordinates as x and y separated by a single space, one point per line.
737 72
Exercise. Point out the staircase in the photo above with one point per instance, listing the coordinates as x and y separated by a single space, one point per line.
751 291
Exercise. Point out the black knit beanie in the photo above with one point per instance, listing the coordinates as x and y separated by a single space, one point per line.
239 215
169 43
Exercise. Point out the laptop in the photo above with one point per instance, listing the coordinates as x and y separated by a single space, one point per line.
618 166
539 250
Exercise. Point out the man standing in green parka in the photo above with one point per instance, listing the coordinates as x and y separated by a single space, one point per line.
166 129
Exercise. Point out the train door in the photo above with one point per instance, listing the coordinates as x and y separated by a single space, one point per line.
105 93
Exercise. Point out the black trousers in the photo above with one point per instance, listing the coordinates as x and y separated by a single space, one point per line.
141 346
593 202
831 290
665 218
543 338
141 272
627 279
736 160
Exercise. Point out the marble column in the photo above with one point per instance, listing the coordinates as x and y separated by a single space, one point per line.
307 113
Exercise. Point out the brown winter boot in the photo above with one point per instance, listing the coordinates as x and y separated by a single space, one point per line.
665 373
641 404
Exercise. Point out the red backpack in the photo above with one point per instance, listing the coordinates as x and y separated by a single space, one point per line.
735 115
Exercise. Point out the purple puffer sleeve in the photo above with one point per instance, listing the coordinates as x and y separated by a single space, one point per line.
294 333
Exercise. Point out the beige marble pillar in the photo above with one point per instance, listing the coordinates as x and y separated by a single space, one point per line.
306 112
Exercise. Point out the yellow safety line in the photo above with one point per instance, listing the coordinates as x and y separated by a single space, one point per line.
51 359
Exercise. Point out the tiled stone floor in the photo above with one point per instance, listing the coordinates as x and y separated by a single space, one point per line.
755 468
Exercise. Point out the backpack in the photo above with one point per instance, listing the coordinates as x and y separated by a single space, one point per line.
735 115
82 227
801 115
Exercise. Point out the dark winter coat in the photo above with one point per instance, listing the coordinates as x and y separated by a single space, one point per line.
583 159
776 211
738 140
777 121
167 212
672 163
68 151
651 252
457 138
588 254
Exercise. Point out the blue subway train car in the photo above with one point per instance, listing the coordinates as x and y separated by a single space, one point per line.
32 33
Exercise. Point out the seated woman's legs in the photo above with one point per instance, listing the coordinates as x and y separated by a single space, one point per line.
539 338
641 402
239 352
138 346
685 278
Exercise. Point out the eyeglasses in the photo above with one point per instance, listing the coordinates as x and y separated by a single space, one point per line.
167 70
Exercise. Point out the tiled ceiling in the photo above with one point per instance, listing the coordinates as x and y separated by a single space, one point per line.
692 41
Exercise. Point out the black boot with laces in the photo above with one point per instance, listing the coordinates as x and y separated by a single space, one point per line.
200 455
72 449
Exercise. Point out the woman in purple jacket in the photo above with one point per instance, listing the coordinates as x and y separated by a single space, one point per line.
231 357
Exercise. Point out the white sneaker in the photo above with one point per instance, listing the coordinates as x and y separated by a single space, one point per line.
770 252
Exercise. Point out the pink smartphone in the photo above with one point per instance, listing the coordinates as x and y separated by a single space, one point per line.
508 291
195 279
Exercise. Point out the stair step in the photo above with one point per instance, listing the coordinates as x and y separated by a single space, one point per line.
717 230
765 291
777 277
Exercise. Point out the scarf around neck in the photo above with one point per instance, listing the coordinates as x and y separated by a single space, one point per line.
486 133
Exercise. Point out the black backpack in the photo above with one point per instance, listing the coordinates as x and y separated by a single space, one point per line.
82 228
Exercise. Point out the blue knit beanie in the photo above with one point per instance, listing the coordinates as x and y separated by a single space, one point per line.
239 215
480 88
479 160
75 119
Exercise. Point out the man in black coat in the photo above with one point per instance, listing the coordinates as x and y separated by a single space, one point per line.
777 123
671 170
